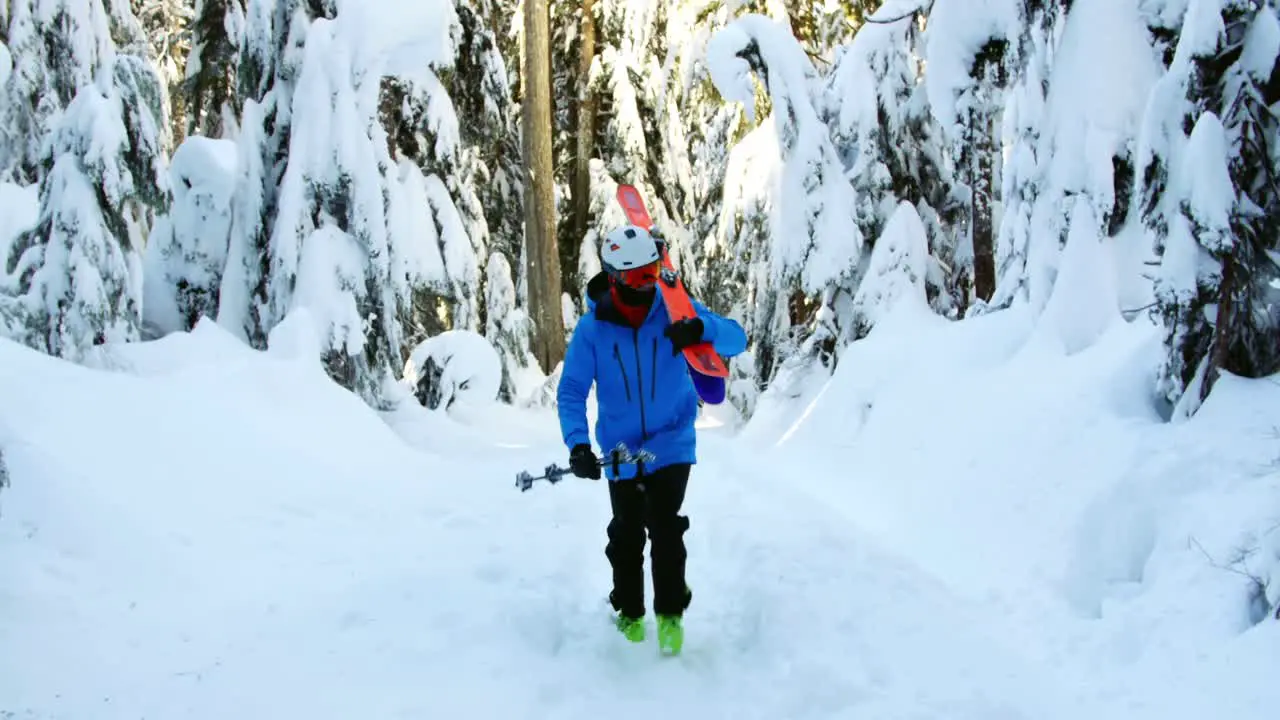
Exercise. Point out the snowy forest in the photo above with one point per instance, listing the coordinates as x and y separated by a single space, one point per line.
287 287
818 165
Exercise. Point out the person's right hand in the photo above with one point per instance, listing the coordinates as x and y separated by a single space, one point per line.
583 462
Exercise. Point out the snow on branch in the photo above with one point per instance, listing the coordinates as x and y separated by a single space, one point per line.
6 63
896 275
957 32
816 240
893 11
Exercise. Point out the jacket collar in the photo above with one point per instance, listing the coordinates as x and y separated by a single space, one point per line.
600 301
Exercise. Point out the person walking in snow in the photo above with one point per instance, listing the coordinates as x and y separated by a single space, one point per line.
627 346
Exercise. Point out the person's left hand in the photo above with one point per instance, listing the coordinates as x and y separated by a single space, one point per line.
684 333
583 462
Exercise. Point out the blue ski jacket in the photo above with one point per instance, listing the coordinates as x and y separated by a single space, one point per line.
644 393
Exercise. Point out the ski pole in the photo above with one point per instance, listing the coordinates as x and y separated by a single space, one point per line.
553 473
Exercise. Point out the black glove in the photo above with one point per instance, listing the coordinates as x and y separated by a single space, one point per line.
583 462
684 333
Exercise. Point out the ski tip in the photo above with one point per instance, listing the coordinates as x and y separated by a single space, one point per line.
710 388
633 205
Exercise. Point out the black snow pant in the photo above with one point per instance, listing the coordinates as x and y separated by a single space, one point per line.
649 502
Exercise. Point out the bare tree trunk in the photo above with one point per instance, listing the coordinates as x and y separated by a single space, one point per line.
542 257
989 78
1219 352
983 184
588 107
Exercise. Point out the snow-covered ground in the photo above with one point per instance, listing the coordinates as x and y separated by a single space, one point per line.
964 523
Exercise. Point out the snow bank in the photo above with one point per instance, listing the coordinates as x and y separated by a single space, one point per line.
232 538
206 347
1137 558
1179 563
455 366
1009 531
128 570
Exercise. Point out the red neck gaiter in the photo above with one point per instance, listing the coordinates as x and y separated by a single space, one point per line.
635 314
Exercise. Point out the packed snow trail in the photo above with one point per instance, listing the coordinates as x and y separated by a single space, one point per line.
228 535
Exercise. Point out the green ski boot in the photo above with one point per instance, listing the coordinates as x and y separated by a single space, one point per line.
670 634
631 628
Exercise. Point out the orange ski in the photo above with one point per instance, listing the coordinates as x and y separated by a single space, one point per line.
703 356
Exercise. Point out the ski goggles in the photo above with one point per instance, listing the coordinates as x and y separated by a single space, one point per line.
640 278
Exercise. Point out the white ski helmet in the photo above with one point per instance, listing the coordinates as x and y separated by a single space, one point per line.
626 247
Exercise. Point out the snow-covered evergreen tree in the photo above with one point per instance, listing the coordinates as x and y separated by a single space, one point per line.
483 172
896 274
127 31
812 254
1165 122
364 198
444 177
709 129
100 173
210 75
332 249
507 329
38 90
640 140
967 48
1190 276
704 123
479 86
1072 131
167 26
6 67
1183 288
1248 322
1026 167
1213 216
891 146
652 98
187 252
823 26
1084 302
271 53
1163 19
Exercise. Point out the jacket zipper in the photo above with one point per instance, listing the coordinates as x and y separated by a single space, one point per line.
635 336
617 355
653 371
